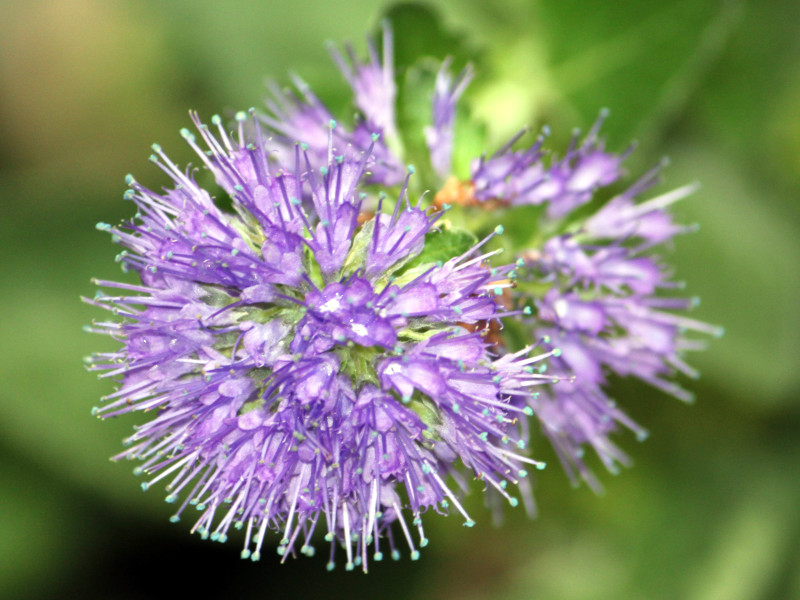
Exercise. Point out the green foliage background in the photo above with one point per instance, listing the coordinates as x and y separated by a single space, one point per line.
710 510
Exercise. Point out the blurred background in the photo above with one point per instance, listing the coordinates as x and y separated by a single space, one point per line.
710 509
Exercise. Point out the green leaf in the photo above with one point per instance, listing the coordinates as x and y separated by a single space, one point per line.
419 33
441 245
414 114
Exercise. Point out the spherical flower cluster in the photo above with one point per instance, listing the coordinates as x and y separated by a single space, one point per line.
303 369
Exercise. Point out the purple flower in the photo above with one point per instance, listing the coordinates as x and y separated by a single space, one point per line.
595 284
522 176
305 370
439 136
299 116
373 84
605 312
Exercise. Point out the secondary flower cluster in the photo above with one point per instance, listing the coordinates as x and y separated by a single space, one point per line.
329 354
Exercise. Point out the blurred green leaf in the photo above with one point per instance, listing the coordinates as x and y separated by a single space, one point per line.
641 60
419 33
414 115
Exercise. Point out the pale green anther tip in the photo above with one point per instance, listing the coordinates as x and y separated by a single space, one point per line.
469 523
719 332
527 310
138 471
521 445
377 557
156 148
215 119
128 195
546 339
484 436
245 554
415 555
522 473
330 566
255 556
541 465
102 226
349 566
145 485
186 134
329 537
95 410
446 206
499 230
241 116
129 180
412 169
332 123
170 499
528 411
406 398
395 555
642 435
504 484
375 137
423 542
513 502
456 408
557 352
520 262
214 536
498 291
281 550
174 519
200 506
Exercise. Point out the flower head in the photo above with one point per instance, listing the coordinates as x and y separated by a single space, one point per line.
306 368
330 357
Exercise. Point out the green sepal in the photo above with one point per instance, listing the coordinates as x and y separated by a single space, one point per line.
357 256
429 414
